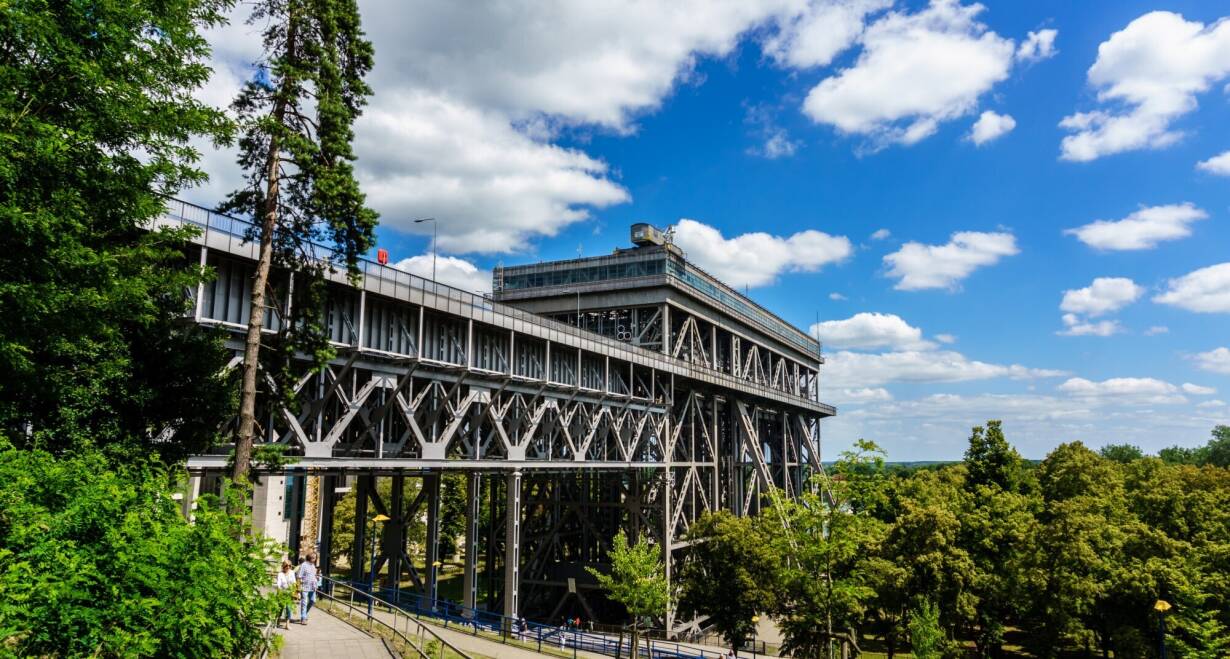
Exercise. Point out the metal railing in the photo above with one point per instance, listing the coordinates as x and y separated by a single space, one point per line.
399 623
454 298
537 636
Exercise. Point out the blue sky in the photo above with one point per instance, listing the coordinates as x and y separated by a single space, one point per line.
534 131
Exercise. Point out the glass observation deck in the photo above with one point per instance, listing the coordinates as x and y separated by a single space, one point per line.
646 267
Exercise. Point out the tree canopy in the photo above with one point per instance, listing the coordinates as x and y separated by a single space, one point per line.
730 574
96 118
971 558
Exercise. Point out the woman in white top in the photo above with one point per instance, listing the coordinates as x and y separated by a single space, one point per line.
286 581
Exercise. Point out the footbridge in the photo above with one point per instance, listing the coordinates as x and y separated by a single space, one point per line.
631 391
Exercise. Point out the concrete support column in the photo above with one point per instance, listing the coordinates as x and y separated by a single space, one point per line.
512 545
469 584
268 506
192 491
432 483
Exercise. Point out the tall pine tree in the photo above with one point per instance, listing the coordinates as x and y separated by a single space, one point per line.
297 119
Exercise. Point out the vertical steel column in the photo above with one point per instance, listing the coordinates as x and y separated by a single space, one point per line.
474 492
328 499
489 568
432 483
512 545
395 532
668 533
359 551
666 329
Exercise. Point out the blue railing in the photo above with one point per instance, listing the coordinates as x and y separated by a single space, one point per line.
535 634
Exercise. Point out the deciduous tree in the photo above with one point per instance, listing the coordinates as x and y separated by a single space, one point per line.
730 575
826 544
96 115
637 580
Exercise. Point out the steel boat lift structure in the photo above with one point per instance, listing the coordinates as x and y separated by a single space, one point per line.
627 391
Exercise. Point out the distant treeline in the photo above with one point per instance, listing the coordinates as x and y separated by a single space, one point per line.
1108 551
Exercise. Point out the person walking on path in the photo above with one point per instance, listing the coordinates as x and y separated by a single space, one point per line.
308 582
286 583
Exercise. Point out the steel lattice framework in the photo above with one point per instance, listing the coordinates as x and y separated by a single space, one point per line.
573 412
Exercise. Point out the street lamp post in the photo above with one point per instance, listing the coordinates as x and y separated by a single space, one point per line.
371 581
1162 607
435 583
434 226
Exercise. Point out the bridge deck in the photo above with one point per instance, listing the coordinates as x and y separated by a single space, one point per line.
226 234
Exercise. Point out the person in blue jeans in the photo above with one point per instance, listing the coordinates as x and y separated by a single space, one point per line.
308 582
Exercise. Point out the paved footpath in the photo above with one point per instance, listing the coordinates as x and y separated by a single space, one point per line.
326 637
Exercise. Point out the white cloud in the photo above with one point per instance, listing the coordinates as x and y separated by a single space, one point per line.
594 62
990 126
467 98
490 186
1148 74
881 234
836 297
914 72
1219 164
756 259
1206 290
946 339
845 369
822 30
778 145
1212 403
920 266
1076 326
863 395
1150 390
458 273
1198 390
1143 229
936 426
1156 330
870 330
1037 45
1104 295
1216 360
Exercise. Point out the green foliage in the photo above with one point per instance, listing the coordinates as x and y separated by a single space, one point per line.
1200 634
730 575
1179 455
1072 555
96 114
990 460
1216 452
636 580
829 538
1122 453
926 635
98 561
452 513
344 520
